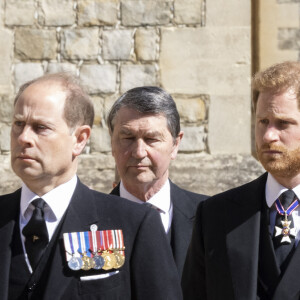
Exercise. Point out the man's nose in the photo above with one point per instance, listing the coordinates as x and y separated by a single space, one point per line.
26 136
139 151
271 134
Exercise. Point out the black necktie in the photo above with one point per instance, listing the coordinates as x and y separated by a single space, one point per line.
36 234
284 250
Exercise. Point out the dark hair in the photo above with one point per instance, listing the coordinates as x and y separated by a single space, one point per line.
148 100
277 79
78 109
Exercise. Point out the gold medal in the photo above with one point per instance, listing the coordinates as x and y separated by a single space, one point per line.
120 259
87 262
109 260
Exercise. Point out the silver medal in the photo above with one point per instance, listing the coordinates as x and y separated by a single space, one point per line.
99 262
75 263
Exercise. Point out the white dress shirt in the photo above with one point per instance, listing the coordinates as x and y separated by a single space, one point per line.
57 202
161 200
273 191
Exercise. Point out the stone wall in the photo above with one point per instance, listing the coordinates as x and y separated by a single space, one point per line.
198 50
278 31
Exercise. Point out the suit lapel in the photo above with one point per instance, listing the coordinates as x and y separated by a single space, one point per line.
243 214
79 216
289 286
269 271
182 225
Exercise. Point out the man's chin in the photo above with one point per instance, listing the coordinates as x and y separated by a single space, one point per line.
281 169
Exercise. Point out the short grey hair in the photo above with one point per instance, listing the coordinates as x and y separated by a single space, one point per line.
148 100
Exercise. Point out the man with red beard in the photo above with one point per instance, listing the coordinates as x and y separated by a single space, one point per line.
244 244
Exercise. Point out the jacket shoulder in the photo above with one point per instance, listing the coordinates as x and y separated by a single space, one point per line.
242 192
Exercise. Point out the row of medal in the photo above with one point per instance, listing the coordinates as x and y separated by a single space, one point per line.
94 249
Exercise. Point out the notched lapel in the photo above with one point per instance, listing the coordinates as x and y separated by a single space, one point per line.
243 218
80 214
289 285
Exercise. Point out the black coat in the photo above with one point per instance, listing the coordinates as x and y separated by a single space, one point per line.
231 255
148 272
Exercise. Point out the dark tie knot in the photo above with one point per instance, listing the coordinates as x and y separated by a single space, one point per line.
287 198
39 203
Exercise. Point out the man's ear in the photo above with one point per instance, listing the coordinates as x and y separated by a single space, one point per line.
81 136
176 145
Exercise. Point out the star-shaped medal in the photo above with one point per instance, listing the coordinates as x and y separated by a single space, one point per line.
285 231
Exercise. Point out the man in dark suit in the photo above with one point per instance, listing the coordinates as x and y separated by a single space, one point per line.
59 239
145 135
244 243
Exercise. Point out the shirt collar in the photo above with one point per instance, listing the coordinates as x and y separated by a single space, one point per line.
57 199
275 189
161 199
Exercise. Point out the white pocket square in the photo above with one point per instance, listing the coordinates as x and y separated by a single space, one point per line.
99 276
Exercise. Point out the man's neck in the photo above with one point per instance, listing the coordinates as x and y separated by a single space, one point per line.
288 182
144 191
45 185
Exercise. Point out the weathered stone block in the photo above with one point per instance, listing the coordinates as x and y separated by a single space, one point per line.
193 139
5 138
137 75
19 12
212 174
97 12
222 61
288 38
108 103
234 13
9 182
146 44
6 109
57 13
97 171
98 107
6 49
35 43
227 136
80 43
25 72
100 140
99 78
272 16
117 44
188 11
1 14
191 110
61 67
145 12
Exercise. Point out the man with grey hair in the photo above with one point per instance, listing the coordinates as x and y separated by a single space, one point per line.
144 125
60 239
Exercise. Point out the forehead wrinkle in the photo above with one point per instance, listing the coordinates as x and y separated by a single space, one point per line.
127 131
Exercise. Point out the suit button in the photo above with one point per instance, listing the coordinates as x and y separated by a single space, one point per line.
32 286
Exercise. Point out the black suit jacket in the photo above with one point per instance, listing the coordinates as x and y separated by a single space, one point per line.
231 255
148 272
184 209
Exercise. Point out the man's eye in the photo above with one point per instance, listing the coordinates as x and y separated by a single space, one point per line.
151 140
264 121
283 122
19 123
